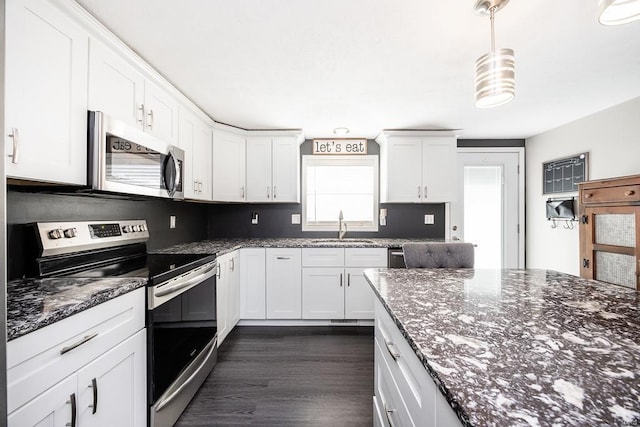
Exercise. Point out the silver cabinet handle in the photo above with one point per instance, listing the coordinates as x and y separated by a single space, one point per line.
340 279
150 116
141 116
242 192
94 386
200 186
79 343
425 191
275 194
72 402
419 192
348 279
15 135
233 264
388 412
394 354
195 186
397 253
219 273
268 192
283 257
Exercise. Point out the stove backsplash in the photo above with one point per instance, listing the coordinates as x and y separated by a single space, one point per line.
28 207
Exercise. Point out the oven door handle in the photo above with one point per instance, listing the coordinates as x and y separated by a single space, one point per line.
164 402
181 285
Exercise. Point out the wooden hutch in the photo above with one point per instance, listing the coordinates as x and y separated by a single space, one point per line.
610 230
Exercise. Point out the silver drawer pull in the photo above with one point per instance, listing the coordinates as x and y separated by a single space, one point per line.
388 412
397 253
79 343
16 145
283 257
394 354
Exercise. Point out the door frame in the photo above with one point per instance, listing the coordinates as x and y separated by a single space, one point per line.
520 151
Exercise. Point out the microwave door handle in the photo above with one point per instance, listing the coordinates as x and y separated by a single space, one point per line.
171 173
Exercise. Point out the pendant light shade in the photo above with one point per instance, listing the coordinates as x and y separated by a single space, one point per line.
617 12
495 82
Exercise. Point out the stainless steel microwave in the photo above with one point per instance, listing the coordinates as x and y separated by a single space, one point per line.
124 159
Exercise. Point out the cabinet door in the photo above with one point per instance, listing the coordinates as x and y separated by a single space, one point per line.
195 140
52 408
112 388
259 186
161 113
252 283
323 293
358 295
439 181
285 170
284 285
234 290
186 141
46 69
403 170
222 296
228 167
116 87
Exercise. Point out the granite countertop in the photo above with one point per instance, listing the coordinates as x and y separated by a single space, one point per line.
521 347
223 246
35 303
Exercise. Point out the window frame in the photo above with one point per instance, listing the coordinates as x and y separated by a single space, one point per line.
353 226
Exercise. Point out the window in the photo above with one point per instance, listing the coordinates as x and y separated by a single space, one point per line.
339 183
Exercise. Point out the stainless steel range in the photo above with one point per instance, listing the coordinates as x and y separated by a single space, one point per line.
181 300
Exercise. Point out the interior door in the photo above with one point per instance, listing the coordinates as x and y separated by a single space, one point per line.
490 209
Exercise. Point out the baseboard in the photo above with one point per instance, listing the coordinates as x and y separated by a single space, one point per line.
300 322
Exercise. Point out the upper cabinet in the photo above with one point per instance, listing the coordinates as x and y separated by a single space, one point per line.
417 167
228 165
120 89
273 168
45 93
196 141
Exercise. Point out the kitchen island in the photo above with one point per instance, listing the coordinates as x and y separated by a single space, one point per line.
514 347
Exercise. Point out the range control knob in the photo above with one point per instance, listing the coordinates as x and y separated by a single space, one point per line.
70 232
143 227
127 228
55 234
136 228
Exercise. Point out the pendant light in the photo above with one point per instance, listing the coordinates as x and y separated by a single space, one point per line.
495 71
617 12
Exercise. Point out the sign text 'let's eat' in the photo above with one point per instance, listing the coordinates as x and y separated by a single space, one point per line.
339 146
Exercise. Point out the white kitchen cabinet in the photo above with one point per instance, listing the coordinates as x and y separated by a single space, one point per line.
119 88
417 167
273 169
228 166
253 283
196 141
284 284
46 367
228 294
333 284
46 69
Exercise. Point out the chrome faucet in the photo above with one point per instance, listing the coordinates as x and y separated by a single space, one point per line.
341 232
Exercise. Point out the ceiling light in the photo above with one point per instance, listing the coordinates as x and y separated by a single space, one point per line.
617 12
341 131
495 71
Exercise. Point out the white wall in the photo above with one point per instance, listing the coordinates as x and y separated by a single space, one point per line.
612 138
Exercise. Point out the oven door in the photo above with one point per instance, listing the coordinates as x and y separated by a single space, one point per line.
182 341
124 159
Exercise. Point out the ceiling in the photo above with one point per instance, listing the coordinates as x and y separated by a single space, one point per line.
379 64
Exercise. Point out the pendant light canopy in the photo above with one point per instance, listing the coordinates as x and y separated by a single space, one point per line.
617 12
495 71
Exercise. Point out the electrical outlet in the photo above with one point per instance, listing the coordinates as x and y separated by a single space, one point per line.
429 219
295 218
383 216
254 218
172 221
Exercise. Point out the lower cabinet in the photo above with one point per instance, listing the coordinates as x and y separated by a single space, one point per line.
405 394
86 370
228 294
253 283
333 284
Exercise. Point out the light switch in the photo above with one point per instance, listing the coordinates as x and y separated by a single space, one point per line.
429 219
254 218
295 218
172 221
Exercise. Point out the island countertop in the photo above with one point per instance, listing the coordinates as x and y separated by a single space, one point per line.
521 347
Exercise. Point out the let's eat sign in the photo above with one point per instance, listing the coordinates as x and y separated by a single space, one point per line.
340 146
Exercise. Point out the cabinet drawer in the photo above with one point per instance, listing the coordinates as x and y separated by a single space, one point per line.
323 257
392 406
624 193
415 385
39 360
365 257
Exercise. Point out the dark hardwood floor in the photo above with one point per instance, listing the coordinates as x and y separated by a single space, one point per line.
288 376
